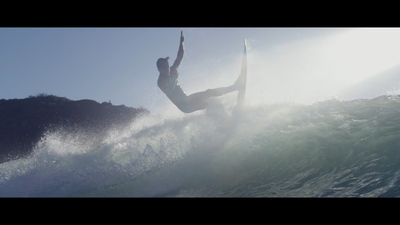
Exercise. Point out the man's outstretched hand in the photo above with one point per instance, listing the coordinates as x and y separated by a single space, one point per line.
182 37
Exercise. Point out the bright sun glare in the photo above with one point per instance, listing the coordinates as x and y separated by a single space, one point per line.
318 69
361 53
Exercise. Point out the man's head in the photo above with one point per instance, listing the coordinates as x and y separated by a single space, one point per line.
163 65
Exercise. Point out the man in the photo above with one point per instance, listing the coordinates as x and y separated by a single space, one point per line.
168 83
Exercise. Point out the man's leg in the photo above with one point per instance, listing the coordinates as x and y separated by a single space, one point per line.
220 91
198 101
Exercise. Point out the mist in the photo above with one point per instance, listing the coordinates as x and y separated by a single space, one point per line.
305 71
322 68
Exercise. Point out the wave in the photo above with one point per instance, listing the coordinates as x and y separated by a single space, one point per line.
328 149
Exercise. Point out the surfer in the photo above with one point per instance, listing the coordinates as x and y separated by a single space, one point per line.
168 83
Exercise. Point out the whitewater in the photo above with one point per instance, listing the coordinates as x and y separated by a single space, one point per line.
330 148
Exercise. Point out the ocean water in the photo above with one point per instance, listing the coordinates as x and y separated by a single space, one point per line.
328 149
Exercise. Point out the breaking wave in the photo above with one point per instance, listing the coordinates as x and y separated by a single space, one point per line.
328 149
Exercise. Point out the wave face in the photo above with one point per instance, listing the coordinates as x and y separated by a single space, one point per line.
328 149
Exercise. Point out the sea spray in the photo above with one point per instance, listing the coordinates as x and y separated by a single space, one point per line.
331 148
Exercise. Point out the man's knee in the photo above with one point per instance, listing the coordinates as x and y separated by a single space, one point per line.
186 108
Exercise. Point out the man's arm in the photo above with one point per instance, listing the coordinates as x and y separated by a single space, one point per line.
179 57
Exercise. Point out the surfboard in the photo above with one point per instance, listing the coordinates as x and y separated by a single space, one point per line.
243 77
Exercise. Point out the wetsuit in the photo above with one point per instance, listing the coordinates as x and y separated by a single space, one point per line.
170 86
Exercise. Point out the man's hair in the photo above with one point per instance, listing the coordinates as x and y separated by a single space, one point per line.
162 61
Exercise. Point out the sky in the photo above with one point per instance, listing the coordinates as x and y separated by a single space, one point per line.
301 65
